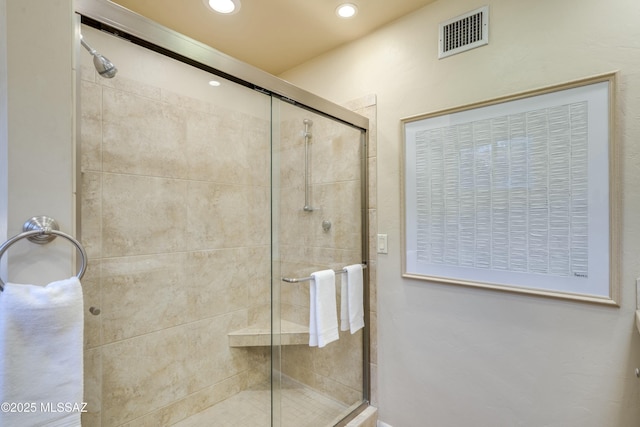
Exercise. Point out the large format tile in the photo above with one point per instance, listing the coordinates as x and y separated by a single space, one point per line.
143 215
146 373
143 374
194 403
143 136
227 216
218 281
227 147
92 387
143 294
91 126
210 359
91 213
92 297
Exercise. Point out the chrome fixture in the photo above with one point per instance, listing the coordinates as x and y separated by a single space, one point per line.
42 230
104 67
307 279
307 140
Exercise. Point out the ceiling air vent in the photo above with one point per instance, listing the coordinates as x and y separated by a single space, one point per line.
464 32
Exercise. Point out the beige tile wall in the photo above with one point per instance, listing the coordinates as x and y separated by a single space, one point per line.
175 195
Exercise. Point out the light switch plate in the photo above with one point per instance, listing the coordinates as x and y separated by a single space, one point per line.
382 244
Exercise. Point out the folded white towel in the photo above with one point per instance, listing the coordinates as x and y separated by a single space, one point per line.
351 302
41 362
323 314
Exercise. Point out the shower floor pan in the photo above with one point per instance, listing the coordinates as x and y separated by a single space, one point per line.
301 407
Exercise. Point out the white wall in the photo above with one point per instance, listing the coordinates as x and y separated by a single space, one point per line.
36 145
4 134
451 356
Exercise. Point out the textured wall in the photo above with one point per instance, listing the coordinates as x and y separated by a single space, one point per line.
453 356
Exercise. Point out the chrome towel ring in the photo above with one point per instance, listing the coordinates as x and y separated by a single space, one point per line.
42 230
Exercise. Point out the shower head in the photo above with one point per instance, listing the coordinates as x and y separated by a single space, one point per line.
104 67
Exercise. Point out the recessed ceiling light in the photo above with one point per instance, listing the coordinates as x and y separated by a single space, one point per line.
347 10
214 83
228 7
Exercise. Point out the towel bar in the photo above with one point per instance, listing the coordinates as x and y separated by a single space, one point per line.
305 279
42 230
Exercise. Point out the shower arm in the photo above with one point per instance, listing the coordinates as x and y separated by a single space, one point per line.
91 50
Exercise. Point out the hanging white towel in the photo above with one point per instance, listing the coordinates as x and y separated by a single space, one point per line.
351 302
323 314
41 364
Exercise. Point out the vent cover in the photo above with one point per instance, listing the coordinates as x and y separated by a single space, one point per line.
464 32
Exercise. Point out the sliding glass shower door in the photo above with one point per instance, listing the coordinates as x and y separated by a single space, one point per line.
175 211
318 207
197 199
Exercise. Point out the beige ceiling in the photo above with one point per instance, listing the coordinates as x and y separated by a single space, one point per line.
274 35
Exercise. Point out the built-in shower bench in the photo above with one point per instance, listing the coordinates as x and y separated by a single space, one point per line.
253 336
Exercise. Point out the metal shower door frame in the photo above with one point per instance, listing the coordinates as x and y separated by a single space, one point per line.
140 30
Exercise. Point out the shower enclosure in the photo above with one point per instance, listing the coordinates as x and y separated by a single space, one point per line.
203 184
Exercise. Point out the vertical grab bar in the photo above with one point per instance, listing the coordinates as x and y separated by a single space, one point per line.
307 138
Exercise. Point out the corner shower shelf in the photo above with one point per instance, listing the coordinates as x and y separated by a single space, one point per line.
254 336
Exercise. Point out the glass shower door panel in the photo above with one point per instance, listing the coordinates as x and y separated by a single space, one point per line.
176 219
318 212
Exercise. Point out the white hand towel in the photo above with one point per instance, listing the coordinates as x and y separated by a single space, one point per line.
41 362
351 303
323 314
